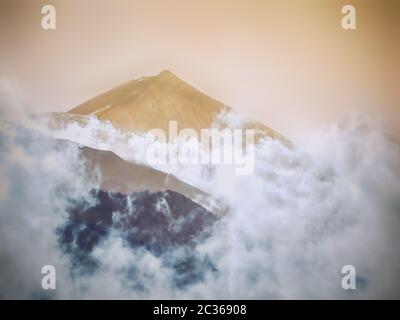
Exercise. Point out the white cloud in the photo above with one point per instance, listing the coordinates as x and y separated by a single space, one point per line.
332 200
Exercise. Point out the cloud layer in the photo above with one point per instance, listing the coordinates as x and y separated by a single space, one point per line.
307 211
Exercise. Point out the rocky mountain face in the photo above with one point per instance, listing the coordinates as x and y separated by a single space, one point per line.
151 102
166 224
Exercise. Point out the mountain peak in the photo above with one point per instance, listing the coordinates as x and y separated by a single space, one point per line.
167 75
151 102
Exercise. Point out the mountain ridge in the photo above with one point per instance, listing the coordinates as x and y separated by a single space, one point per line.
150 102
147 103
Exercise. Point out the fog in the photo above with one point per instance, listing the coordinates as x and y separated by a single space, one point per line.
333 199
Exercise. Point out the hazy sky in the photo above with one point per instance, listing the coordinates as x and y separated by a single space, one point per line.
287 63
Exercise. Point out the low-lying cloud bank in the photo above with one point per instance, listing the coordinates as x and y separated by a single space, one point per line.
307 211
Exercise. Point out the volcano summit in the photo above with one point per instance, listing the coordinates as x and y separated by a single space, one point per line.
151 102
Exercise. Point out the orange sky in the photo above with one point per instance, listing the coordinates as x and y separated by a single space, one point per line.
286 63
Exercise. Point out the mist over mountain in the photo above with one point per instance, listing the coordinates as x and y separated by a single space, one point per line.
151 102
115 227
